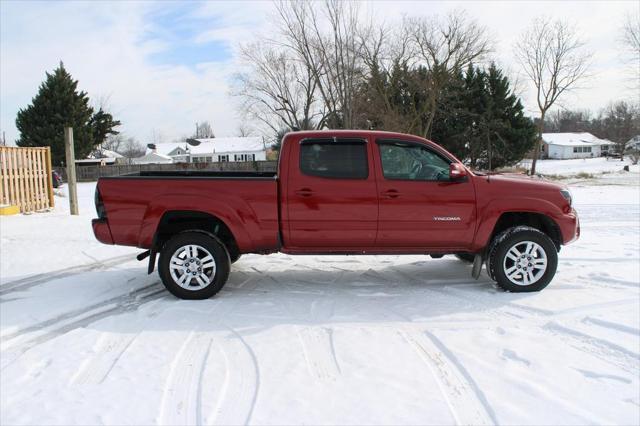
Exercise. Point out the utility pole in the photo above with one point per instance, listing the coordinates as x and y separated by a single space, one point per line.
71 170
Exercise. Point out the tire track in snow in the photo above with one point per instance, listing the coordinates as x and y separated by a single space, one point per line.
96 368
612 325
182 396
34 280
600 348
184 392
319 352
466 400
512 309
110 348
241 385
316 342
105 305
15 346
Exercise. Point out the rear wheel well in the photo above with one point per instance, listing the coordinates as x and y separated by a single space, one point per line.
174 222
538 221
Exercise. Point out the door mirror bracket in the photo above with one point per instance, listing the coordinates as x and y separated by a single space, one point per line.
457 172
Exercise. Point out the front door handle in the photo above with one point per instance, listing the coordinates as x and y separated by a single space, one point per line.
304 192
392 193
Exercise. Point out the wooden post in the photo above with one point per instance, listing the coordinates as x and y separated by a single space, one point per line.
4 176
48 171
71 170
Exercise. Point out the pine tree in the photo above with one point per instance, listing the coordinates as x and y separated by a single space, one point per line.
508 132
482 122
58 104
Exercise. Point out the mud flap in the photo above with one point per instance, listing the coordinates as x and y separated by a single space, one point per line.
152 260
477 266
151 254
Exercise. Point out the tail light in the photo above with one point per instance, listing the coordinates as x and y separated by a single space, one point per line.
102 213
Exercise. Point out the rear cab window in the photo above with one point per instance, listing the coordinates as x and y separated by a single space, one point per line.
334 158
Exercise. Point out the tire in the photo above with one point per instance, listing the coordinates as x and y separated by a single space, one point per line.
466 257
209 266
518 274
234 256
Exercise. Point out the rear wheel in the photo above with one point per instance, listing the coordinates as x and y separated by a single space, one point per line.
194 265
523 259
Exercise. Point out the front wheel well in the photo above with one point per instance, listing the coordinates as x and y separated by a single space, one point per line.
176 221
538 221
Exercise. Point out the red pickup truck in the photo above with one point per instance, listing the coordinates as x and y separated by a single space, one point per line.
339 192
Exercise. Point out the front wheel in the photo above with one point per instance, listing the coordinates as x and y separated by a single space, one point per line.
523 260
194 265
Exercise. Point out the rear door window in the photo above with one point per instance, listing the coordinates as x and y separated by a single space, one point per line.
339 159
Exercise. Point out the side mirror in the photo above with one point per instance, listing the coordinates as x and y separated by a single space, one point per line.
457 172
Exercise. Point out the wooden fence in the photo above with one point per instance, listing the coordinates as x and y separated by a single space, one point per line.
25 178
92 173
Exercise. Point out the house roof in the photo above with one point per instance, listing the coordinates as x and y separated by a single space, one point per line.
105 160
153 157
167 147
111 154
574 139
103 153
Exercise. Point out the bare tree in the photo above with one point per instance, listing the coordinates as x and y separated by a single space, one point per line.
244 130
131 148
387 52
156 136
277 90
618 122
565 120
554 59
113 143
327 39
630 38
445 46
204 130
631 35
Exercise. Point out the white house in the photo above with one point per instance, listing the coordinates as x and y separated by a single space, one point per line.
229 150
563 146
213 150
633 144
101 157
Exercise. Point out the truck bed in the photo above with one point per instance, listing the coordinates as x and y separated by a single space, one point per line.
199 174
247 202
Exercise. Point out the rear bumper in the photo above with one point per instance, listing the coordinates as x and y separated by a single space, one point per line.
101 231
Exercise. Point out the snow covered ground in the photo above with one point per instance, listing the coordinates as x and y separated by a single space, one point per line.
86 337
596 165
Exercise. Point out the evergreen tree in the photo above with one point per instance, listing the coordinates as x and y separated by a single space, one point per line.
482 121
58 104
509 134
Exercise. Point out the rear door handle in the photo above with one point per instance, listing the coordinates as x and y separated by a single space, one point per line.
392 193
304 192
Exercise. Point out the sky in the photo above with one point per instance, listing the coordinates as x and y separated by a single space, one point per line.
160 67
